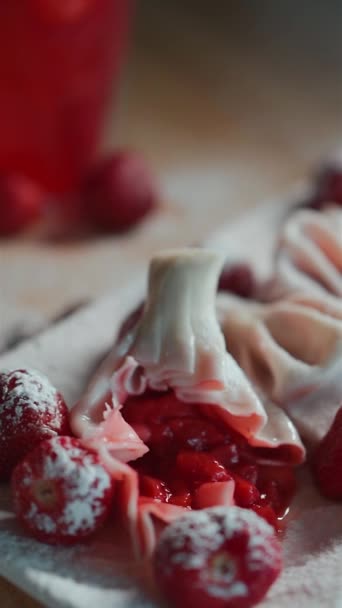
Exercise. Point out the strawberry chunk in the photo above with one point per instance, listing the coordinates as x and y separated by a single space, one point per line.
154 488
182 500
245 492
199 467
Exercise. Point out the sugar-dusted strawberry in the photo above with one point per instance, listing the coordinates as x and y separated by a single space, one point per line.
61 491
120 192
21 203
31 410
238 279
217 558
327 461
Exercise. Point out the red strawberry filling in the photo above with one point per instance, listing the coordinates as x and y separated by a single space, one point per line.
188 450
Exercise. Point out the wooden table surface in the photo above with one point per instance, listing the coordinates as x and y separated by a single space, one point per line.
230 104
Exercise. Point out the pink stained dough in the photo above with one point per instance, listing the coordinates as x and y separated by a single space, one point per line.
176 344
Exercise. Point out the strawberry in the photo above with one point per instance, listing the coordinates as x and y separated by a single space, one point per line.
238 279
278 483
327 461
181 500
120 192
217 558
200 467
154 488
245 492
61 491
31 410
21 204
264 510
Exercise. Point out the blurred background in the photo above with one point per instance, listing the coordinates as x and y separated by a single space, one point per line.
230 103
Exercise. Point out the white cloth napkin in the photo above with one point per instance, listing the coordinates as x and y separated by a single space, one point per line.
16 324
102 572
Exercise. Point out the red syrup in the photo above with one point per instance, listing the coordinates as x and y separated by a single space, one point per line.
187 449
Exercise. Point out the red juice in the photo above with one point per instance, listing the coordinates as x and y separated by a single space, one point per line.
59 62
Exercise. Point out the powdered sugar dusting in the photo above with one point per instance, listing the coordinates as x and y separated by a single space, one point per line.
84 481
86 485
192 538
204 531
26 390
235 590
43 521
191 542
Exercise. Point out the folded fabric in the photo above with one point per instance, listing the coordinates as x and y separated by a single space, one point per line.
292 353
16 324
308 263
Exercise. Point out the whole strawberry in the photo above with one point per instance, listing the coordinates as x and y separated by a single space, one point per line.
119 192
327 461
61 491
217 558
31 410
328 186
21 204
238 279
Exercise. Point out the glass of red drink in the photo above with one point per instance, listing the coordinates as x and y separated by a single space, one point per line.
59 62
